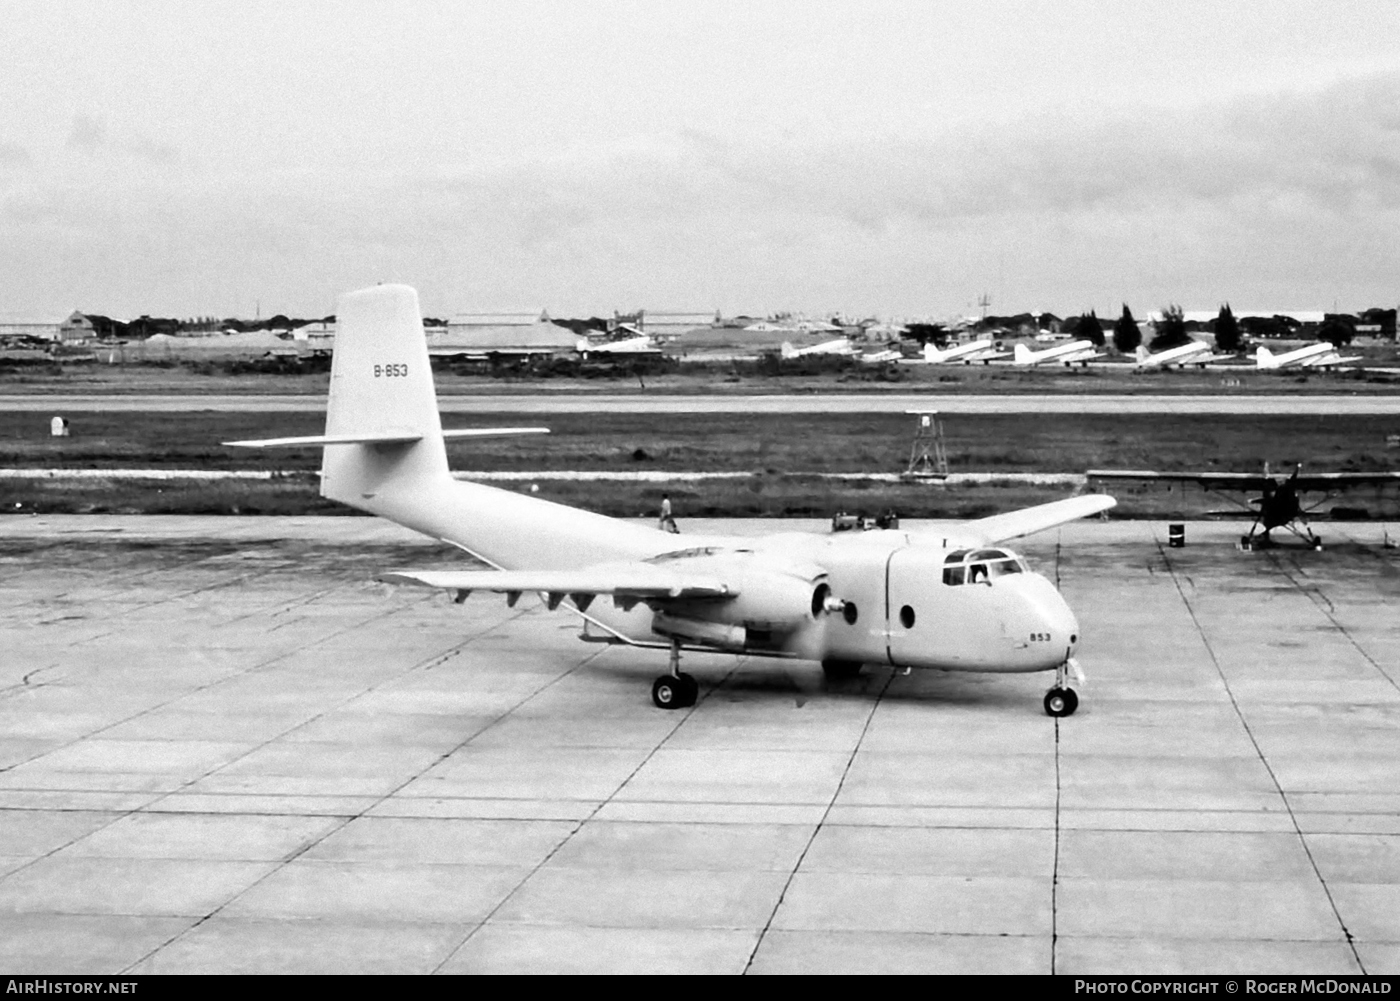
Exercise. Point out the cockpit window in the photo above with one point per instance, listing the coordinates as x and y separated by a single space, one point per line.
979 566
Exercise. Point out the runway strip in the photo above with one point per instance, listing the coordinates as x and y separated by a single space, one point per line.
545 403
525 476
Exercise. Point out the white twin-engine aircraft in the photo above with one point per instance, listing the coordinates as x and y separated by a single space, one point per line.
956 599
1073 352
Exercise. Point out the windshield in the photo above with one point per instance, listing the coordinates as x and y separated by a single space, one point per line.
977 566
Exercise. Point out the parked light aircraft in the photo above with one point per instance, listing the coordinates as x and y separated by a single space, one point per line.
878 357
1279 504
838 346
954 599
1067 354
982 351
1319 355
1196 353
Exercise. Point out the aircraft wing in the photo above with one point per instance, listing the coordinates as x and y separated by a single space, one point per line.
637 582
1029 520
1249 481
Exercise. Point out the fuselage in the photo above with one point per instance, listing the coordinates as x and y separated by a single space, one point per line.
1181 355
1064 353
1313 354
887 597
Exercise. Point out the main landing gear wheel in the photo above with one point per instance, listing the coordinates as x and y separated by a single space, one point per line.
1061 702
675 691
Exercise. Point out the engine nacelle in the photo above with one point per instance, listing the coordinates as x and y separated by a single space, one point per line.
770 605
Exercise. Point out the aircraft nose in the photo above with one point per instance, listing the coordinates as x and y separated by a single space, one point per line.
1056 620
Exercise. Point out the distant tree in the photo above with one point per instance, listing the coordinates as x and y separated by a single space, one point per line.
1227 331
1384 317
1090 329
1126 335
1339 328
1171 329
927 333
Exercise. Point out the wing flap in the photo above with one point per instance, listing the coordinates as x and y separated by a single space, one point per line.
635 582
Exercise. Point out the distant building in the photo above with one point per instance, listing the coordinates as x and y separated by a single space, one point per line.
663 324
28 328
509 319
520 339
77 327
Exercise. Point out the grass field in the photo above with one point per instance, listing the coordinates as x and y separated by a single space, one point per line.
776 449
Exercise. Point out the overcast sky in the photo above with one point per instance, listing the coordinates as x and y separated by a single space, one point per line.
895 159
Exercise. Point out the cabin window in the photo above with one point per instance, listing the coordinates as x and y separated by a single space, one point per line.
850 613
906 617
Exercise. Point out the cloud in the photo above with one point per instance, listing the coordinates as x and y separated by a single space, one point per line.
13 154
1284 199
89 133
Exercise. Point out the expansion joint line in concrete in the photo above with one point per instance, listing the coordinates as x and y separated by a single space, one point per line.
549 856
1055 868
1259 751
1324 605
826 814
347 819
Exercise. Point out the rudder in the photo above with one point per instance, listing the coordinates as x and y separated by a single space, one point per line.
381 384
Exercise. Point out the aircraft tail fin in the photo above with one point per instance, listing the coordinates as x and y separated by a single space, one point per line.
788 350
931 352
382 393
1022 355
1142 354
1264 358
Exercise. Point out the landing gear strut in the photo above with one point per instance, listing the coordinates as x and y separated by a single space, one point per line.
1061 700
676 690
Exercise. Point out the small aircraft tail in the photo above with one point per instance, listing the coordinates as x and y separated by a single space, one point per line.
1022 355
381 388
1142 354
1264 358
789 351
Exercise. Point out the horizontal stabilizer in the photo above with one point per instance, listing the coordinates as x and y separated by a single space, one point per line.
1027 521
382 438
623 581
328 439
491 432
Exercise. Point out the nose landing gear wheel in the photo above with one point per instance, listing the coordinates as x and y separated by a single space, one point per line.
675 691
1061 702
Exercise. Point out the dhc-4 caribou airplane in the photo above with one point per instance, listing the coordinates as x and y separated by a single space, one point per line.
954 599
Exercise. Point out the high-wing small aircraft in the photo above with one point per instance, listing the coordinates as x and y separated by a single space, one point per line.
1066 354
1279 504
1319 355
1196 353
954 599
981 350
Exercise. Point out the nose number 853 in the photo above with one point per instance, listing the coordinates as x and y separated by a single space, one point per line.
393 371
